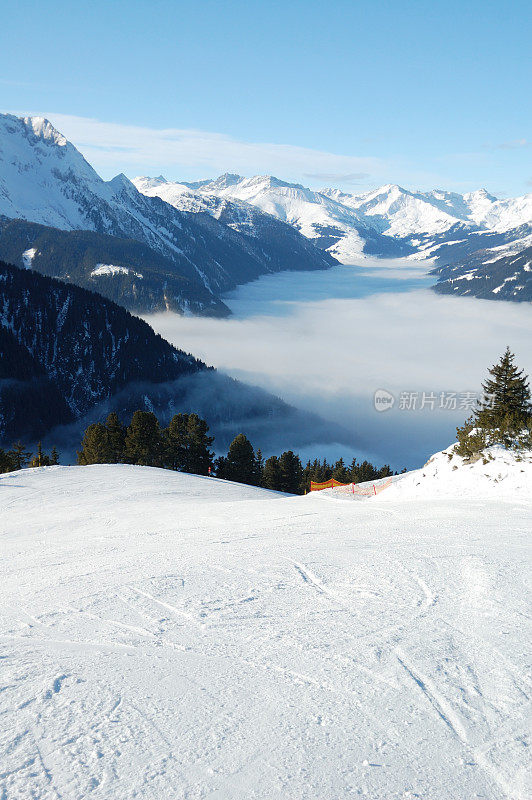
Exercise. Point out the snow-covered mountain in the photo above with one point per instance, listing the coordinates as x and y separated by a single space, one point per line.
166 635
44 179
332 225
277 240
215 234
503 272
389 220
402 213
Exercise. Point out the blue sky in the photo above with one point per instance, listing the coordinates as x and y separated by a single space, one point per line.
346 93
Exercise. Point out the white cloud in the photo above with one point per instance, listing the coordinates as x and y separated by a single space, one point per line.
515 144
111 147
330 357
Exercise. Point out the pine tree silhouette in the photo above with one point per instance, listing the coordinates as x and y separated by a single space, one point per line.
240 464
271 474
20 456
507 393
144 443
504 416
116 439
95 445
291 472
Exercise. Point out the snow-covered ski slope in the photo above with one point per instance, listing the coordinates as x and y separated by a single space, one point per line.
170 636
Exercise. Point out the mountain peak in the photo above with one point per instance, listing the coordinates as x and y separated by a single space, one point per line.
275 183
43 129
226 180
149 183
120 181
481 194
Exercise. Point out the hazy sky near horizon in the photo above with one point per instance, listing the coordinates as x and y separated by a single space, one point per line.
351 93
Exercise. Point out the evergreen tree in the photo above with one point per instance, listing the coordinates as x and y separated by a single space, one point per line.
240 464
144 443
340 473
19 455
220 467
7 463
507 394
324 471
54 457
116 439
353 471
40 459
200 458
291 472
187 444
271 474
259 465
365 472
176 443
503 416
306 477
94 445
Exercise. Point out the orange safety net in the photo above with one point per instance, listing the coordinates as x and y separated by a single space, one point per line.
350 488
330 484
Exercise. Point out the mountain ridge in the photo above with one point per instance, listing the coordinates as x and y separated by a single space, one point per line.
44 179
388 220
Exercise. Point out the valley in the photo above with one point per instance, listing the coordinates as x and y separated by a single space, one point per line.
319 298
265 401
326 341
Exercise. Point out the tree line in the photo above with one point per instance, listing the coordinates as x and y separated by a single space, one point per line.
503 417
18 458
185 444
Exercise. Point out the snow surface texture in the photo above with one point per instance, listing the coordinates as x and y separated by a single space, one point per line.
171 636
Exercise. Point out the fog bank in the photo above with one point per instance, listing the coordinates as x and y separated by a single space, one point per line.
329 356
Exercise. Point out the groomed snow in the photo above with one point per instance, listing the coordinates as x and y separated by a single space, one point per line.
170 636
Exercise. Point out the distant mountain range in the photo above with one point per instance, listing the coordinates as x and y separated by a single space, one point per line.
332 226
152 244
45 180
441 227
419 222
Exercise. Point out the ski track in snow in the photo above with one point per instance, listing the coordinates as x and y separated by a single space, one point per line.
166 636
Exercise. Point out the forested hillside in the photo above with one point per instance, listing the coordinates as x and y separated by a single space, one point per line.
65 349
123 270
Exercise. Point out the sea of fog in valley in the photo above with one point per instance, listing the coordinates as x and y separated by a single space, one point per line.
326 341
